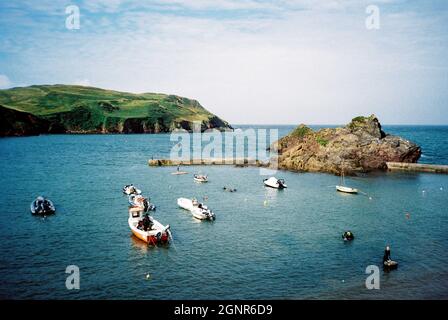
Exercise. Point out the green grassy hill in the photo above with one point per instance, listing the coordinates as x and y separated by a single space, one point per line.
79 109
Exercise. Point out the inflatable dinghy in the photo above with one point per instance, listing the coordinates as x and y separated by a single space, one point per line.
42 206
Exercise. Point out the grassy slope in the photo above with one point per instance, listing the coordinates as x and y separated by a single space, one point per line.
49 100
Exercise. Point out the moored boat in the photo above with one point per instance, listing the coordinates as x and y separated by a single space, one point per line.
42 206
131 189
346 189
343 188
139 201
200 178
148 229
273 182
197 209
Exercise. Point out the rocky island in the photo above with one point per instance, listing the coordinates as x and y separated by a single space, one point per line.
360 146
77 109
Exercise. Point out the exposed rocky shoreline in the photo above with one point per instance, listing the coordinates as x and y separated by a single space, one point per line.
360 146
19 123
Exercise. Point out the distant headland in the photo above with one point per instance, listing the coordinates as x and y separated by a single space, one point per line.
46 109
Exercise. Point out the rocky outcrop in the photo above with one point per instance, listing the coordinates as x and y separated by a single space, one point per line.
361 146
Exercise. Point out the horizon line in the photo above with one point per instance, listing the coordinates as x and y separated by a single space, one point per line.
334 124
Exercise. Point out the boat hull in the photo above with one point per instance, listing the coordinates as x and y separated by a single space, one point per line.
346 189
196 212
157 235
274 183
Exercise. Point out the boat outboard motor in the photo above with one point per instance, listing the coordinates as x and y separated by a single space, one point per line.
148 206
281 183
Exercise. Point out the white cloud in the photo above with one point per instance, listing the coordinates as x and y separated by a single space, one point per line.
316 65
4 82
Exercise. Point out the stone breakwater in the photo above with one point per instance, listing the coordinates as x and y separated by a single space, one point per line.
211 161
417 167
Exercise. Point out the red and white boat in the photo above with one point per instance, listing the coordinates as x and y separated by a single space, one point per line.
154 235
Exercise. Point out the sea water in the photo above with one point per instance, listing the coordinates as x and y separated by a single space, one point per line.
265 243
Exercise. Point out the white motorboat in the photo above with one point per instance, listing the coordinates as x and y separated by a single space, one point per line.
273 182
42 206
197 209
131 189
139 201
200 178
147 228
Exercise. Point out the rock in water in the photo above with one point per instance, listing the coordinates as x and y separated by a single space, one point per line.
360 146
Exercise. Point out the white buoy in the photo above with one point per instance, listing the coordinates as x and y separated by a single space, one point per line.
148 276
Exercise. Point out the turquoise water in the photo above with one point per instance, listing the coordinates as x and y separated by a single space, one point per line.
263 244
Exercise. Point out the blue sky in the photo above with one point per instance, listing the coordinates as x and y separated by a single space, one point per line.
277 62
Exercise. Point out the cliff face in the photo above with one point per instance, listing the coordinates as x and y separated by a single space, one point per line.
360 146
16 123
75 109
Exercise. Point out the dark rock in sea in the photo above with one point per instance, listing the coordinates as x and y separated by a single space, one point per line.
361 146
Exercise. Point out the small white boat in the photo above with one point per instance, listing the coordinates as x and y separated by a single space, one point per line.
42 206
179 172
139 201
200 178
346 189
197 209
273 182
155 232
343 188
131 189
